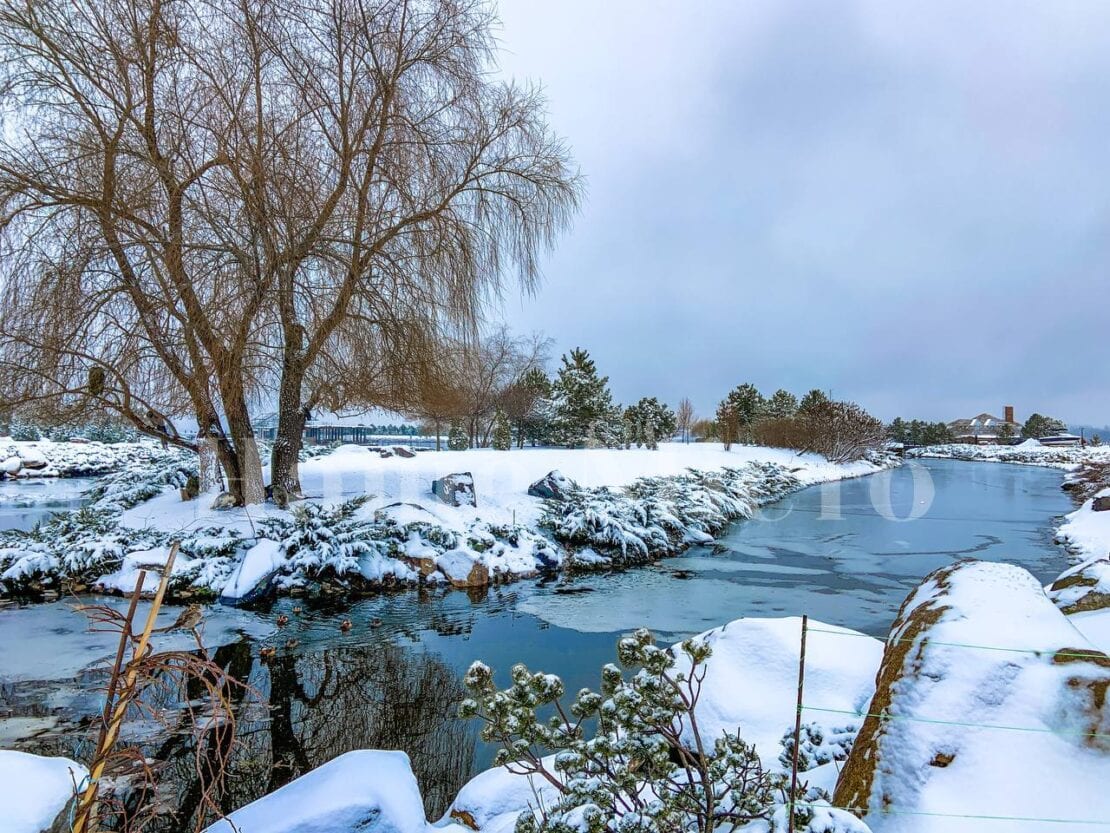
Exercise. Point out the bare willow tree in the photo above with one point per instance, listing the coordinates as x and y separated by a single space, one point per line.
684 418
243 197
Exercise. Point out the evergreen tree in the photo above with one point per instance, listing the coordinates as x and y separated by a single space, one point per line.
457 440
897 431
782 404
584 413
813 401
1038 426
502 431
648 421
739 412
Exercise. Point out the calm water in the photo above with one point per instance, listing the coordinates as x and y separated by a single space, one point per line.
25 502
836 552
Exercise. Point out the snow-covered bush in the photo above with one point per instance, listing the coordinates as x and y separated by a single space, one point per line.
319 540
143 479
636 772
658 516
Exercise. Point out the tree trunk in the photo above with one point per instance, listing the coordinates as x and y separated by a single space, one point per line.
247 486
285 476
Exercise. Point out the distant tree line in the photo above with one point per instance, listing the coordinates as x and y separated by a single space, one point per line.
840 431
918 432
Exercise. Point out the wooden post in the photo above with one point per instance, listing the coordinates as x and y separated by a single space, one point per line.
798 723
84 820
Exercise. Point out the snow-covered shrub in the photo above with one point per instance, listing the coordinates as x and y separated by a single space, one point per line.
143 479
658 516
77 547
638 771
818 745
323 539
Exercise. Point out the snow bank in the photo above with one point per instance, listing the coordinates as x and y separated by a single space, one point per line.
1030 453
1086 532
939 748
371 523
492 800
367 791
34 789
751 682
501 478
45 458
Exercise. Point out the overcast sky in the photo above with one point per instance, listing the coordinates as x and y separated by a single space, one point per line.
907 204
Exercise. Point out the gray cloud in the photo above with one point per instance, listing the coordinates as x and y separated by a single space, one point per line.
906 203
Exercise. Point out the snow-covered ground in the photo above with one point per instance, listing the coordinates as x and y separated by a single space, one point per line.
501 480
34 790
989 704
46 458
370 521
1030 453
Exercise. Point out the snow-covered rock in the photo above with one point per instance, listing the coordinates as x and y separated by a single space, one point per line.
12 465
366 791
1084 587
988 703
455 489
253 573
552 486
461 570
34 790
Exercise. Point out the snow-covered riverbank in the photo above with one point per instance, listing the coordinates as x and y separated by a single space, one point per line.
1029 453
983 684
371 522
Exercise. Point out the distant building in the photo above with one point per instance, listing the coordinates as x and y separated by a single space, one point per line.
985 428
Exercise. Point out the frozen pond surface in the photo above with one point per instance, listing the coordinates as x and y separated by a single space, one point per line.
827 551
25 502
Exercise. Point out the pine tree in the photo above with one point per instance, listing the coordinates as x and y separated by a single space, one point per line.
502 431
457 440
584 411
782 404
738 413
813 401
648 421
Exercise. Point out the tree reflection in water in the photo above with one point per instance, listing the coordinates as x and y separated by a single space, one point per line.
303 710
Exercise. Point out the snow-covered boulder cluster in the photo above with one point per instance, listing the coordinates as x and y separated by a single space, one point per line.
988 703
45 458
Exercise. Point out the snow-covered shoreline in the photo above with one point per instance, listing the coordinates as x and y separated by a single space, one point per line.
370 522
1029 453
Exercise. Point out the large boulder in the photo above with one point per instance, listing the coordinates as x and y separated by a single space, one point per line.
1101 504
35 790
253 575
401 451
1082 588
456 489
552 486
462 570
988 703
369 791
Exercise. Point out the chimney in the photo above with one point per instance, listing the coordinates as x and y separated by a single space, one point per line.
1009 413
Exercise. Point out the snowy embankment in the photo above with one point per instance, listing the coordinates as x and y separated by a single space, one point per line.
749 683
985 702
1029 453
989 704
45 458
371 521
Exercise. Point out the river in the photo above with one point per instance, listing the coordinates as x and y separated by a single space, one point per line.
845 553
